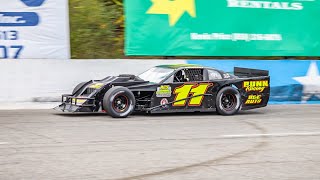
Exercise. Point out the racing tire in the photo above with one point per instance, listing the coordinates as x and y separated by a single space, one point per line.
228 101
119 102
79 86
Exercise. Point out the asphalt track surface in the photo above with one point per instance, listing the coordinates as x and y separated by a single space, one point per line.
277 142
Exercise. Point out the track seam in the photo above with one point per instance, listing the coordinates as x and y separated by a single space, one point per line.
259 145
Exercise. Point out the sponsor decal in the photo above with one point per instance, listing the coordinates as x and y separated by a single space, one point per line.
76 101
254 99
164 101
265 4
258 86
164 91
19 19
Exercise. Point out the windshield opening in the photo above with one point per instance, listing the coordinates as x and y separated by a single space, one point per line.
156 74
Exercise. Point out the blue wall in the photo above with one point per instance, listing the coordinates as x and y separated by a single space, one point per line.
284 88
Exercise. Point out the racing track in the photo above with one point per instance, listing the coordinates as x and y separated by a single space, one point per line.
277 142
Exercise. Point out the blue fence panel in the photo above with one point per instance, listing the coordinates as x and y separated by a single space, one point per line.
292 81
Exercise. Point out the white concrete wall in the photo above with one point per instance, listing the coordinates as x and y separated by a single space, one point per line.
45 80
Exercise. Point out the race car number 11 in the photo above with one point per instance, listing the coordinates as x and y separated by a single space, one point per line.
183 92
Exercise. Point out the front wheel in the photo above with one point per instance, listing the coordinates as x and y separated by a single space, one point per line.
119 102
228 101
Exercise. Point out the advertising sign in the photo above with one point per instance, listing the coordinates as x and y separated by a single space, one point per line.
34 29
223 27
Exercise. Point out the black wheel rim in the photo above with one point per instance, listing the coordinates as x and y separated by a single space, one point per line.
120 103
228 101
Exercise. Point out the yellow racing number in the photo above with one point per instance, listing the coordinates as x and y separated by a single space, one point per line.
182 92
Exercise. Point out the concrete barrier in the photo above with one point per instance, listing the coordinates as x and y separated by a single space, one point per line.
38 81
46 80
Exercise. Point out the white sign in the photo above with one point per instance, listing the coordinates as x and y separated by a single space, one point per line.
34 29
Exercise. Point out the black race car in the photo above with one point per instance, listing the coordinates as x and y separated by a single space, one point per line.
172 88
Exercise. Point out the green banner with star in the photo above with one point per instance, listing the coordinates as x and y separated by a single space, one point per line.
222 27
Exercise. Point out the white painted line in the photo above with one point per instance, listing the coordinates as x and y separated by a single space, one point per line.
271 135
3 143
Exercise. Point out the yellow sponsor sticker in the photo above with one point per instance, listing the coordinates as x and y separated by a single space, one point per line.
258 86
164 91
96 85
79 101
254 99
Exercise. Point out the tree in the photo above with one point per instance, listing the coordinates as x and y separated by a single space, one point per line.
96 29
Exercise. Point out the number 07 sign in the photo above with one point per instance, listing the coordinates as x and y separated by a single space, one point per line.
34 29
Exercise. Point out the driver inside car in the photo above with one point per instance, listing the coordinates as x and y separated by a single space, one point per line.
180 76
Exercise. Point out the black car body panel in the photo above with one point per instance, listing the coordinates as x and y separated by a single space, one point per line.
197 93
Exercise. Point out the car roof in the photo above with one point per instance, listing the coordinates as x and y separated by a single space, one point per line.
182 66
178 66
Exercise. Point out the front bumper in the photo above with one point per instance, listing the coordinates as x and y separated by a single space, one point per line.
70 103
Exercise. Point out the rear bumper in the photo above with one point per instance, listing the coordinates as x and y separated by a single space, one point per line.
70 103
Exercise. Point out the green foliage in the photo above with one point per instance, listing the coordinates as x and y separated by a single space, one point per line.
96 29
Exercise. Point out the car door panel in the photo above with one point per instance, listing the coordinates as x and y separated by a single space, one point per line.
177 95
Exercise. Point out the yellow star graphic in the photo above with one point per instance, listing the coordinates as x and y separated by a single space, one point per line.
173 8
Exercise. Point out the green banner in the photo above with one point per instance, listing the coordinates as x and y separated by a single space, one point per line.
222 27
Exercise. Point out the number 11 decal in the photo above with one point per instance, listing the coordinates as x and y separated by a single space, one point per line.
197 90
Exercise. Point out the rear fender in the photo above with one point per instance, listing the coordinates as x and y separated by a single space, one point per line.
255 92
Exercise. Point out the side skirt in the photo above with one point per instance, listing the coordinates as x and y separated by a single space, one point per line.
182 110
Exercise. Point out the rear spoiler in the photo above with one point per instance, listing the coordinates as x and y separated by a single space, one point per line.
246 72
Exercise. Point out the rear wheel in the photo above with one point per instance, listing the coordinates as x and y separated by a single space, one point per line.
119 102
228 101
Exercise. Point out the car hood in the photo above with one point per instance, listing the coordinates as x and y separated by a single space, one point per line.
121 80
